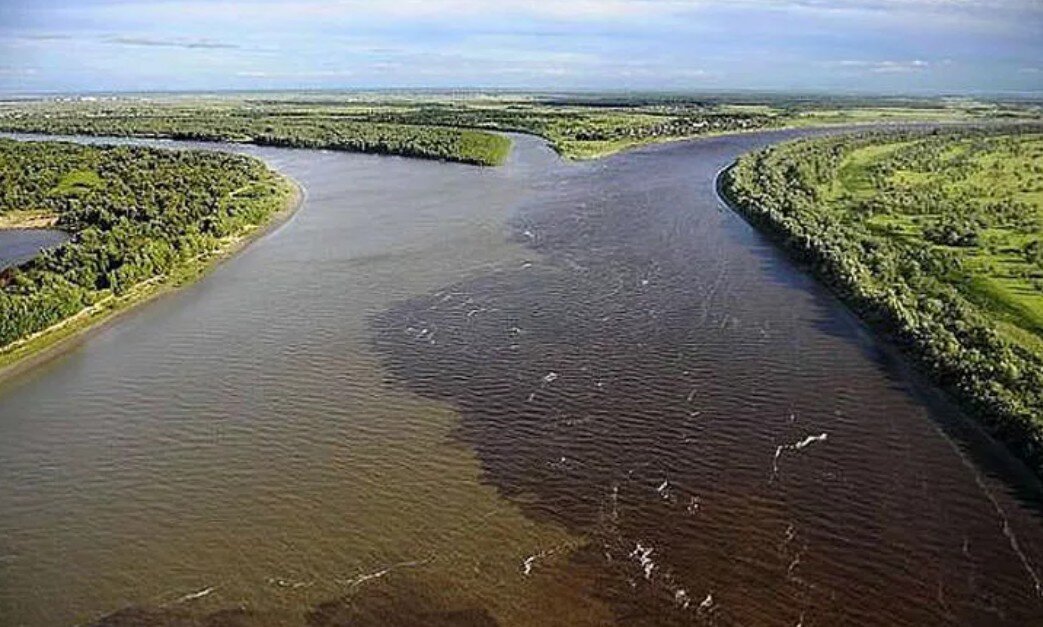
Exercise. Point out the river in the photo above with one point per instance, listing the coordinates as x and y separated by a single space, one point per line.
543 394
20 245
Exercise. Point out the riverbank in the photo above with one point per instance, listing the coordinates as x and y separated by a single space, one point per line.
55 340
592 153
901 283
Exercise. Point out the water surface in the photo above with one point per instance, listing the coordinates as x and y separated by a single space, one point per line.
543 394
20 245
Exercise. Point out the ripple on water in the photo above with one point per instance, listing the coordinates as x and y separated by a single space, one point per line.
733 446
641 388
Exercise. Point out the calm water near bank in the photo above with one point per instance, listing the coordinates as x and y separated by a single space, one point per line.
20 245
540 394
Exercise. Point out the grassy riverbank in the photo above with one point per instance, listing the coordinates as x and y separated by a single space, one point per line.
136 234
935 239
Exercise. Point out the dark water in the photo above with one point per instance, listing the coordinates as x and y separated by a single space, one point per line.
543 394
20 245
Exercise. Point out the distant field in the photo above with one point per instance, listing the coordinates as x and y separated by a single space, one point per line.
871 114
454 128
935 237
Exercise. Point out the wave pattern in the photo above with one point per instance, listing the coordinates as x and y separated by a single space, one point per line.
734 447
623 407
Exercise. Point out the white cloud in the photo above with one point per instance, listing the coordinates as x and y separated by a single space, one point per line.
562 10
310 74
169 43
883 67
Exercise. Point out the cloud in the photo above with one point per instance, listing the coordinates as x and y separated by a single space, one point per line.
205 44
656 43
883 67
567 10
295 75
44 37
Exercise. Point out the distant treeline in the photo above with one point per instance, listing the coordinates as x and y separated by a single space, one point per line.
454 128
431 130
134 214
900 252
245 126
562 125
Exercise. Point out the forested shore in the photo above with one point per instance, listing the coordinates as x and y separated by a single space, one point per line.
417 141
934 238
140 219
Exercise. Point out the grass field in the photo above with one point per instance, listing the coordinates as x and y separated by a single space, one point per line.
965 182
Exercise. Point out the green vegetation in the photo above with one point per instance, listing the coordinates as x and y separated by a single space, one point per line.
266 127
456 127
935 238
581 132
139 219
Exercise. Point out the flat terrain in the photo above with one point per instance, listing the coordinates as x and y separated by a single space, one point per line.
935 237
978 199
455 127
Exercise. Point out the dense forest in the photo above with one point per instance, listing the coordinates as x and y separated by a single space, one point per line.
134 214
934 238
267 128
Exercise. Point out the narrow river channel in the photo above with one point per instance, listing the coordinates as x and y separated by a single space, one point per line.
20 245
543 394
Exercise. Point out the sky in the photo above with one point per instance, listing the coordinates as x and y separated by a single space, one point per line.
884 46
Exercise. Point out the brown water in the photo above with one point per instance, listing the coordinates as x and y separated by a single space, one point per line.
542 394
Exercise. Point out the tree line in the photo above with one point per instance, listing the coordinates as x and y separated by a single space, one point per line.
264 128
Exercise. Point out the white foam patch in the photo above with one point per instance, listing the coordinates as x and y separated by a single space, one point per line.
811 439
192 596
797 446
364 577
527 564
643 555
530 561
